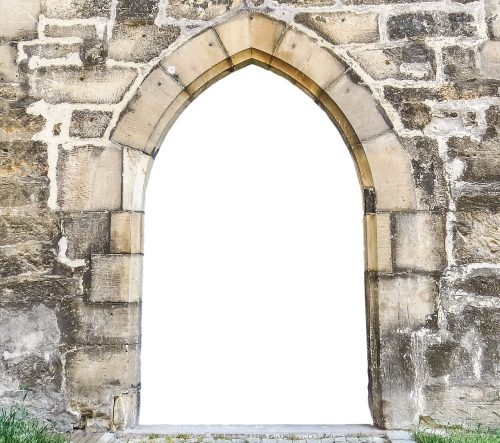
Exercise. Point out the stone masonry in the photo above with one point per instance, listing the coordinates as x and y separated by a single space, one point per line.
88 89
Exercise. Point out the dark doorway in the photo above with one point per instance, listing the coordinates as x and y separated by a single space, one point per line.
253 300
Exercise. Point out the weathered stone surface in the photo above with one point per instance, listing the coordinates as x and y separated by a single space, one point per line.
342 27
93 52
16 124
141 43
19 193
8 68
459 63
479 282
19 19
32 257
448 358
136 167
52 50
430 24
414 115
136 11
89 124
477 237
485 200
19 228
78 30
492 9
89 178
411 61
126 233
419 241
200 10
378 242
87 233
76 8
116 278
23 159
74 84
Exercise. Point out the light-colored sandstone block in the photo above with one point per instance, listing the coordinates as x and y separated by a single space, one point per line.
419 241
8 68
125 410
195 57
359 106
154 96
378 242
489 58
89 178
126 232
19 19
136 168
116 278
392 173
250 31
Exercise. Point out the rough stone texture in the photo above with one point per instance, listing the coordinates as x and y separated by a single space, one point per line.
76 8
80 31
79 85
141 43
200 10
342 27
89 124
136 11
16 124
19 19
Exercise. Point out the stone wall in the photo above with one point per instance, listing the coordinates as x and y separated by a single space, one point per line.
88 89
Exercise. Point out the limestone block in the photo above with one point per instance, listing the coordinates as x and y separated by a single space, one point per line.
19 19
414 61
406 301
430 24
477 237
89 124
52 50
194 58
136 12
16 124
23 159
89 178
378 242
302 3
459 63
140 43
250 31
489 59
116 278
492 9
101 323
125 411
74 84
358 105
78 30
136 168
342 28
18 227
198 10
478 282
391 170
154 96
419 241
305 55
20 193
8 68
76 8
126 232
31 257
86 233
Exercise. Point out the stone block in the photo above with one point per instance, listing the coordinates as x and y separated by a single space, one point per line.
89 178
141 43
341 28
16 124
8 67
21 193
192 59
414 115
100 324
419 241
392 174
79 30
89 124
250 31
136 11
305 55
136 168
482 282
26 258
74 84
418 25
52 50
86 232
195 10
23 159
459 63
76 9
18 227
19 19
356 101
484 200
489 59
476 237
126 232
378 242
116 278
406 302
153 98
125 411
411 61
302 3
93 52
448 358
